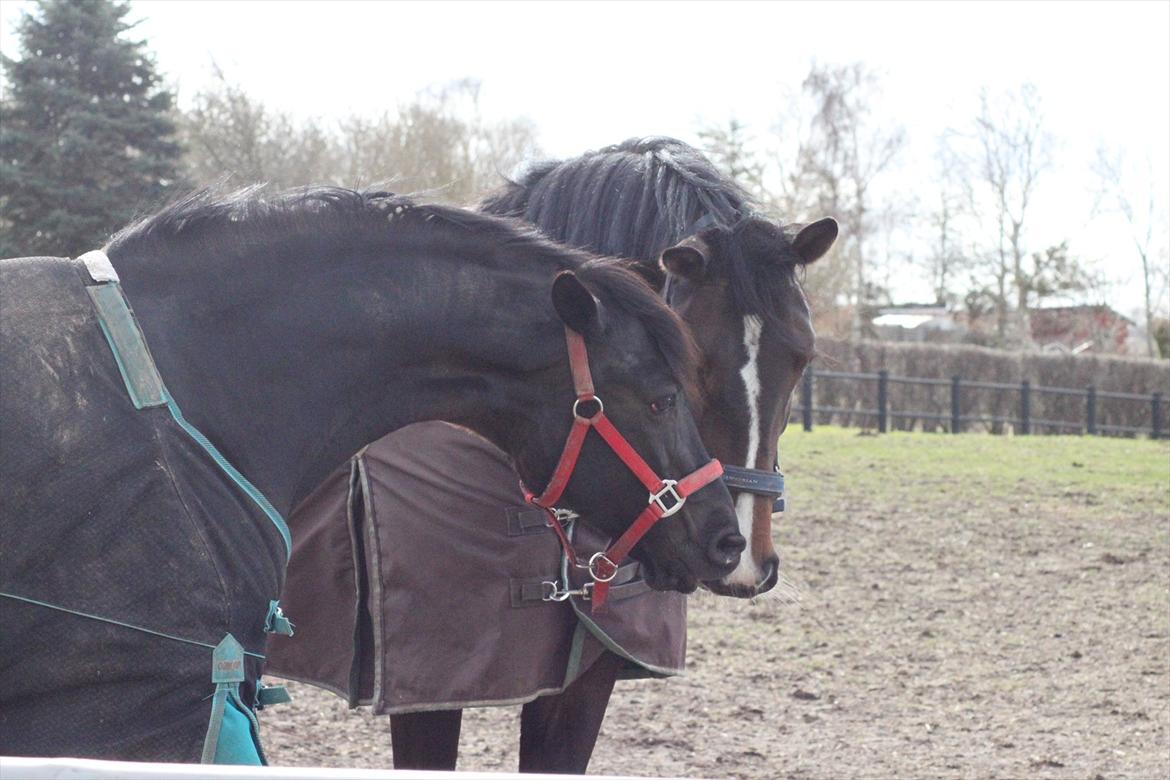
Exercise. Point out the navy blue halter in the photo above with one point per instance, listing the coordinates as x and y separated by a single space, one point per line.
758 482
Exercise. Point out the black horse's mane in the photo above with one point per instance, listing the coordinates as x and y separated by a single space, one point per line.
636 198
233 223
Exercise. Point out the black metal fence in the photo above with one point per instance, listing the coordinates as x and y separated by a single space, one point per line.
1023 422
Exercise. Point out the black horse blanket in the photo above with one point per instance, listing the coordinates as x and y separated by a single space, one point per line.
127 554
416 583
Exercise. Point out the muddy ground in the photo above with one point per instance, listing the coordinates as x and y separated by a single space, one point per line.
962 607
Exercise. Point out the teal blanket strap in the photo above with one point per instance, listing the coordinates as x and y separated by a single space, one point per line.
139 372
257 497
232 731
275 622
147 390
267 695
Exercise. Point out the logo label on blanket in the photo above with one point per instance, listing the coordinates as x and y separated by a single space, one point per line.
227 661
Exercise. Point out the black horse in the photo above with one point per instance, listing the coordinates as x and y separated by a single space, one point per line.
731 273
290 331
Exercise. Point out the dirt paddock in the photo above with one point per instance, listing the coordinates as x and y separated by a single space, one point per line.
963 607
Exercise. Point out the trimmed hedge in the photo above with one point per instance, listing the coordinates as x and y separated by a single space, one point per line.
943 361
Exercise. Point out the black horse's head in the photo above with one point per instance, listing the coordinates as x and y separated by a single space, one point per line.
737 289
642 363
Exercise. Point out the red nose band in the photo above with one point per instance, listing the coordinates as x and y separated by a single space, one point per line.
667 496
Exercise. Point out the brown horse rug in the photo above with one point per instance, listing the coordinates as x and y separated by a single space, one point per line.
419 580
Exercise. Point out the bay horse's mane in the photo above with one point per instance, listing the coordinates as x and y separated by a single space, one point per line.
319 219
631 199
636 198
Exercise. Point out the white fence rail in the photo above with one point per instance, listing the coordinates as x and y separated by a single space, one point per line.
88 769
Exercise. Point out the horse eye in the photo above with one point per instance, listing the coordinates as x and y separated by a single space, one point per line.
663 404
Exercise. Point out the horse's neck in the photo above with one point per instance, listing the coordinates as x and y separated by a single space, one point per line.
292 370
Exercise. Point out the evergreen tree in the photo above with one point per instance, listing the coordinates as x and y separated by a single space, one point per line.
86 135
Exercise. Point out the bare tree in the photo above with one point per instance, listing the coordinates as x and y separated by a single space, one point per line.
227 132
841 154
1054 272
730 147
1134 199
947 258
1012 151
438 143
368 148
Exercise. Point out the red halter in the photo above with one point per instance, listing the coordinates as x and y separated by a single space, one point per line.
667 496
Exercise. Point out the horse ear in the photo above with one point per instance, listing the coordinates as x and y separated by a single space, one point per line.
575 305
813 240
686 259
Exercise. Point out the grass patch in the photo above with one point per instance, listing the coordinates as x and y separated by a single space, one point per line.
847 462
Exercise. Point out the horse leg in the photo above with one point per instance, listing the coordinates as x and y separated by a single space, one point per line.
557 733
426 740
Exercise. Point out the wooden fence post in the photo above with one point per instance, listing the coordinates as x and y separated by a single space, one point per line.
1025 407
1156 416
806 398
1091 410
883 400
956 406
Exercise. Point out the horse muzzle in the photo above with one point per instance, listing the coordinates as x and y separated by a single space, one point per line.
767 576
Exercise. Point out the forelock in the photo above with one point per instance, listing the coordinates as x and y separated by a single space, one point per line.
617 286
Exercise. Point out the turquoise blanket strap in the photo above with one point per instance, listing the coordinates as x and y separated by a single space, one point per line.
275 622
267 695
227 468
141 376
147 390
231 731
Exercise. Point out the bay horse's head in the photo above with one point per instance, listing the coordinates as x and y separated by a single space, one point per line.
642 364
737 288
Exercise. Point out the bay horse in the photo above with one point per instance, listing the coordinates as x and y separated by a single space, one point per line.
142 518
731 273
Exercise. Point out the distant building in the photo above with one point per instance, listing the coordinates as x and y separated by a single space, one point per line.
1067 329
916 322
1077 329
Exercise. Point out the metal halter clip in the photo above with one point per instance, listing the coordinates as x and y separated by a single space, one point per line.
562 516
668 489
601 568
556 593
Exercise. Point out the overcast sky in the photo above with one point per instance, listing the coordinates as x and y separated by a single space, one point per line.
590 74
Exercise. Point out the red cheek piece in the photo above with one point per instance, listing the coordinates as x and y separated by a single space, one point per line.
667 496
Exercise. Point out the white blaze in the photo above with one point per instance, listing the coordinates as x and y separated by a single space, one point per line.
745 573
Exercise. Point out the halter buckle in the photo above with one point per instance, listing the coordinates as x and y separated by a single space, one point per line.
601 568
668 490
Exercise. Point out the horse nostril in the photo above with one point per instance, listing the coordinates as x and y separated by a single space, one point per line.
726 547
772 576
